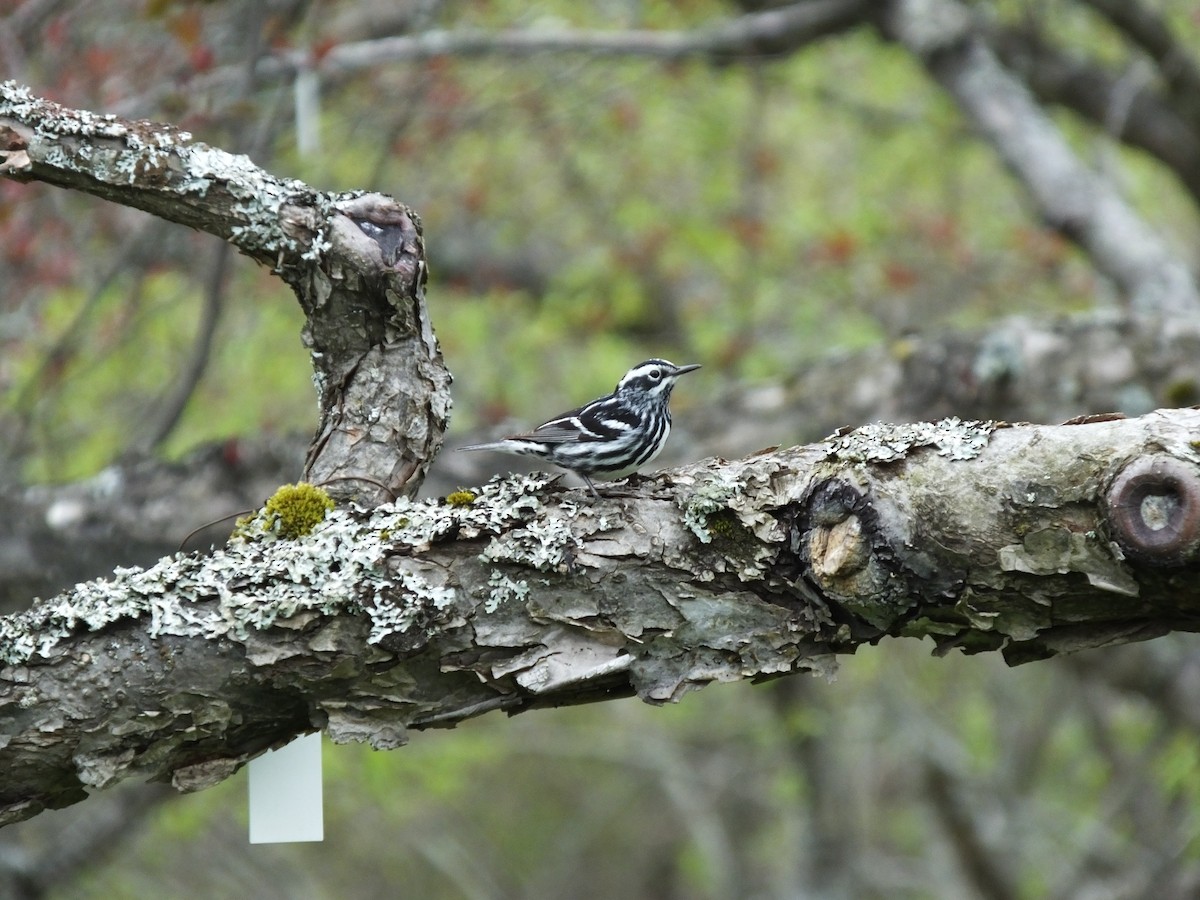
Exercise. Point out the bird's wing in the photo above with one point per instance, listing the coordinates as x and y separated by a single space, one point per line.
559 430
606 420
600 420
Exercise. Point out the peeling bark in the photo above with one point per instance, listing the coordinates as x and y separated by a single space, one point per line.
981 536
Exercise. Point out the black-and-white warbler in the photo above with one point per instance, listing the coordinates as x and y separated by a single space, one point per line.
614 435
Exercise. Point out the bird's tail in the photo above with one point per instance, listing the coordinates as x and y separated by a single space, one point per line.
490 445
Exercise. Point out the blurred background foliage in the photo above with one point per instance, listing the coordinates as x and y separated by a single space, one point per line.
582 213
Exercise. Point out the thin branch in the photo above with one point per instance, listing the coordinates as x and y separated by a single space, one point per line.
66 345
1068 195
771 33
172 406
961 825
1084 85
1176 64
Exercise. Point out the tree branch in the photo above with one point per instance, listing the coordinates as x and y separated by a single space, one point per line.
771 32
174 401
1019 370
1031 540
982 867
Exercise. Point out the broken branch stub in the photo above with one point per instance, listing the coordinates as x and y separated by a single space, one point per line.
1154 510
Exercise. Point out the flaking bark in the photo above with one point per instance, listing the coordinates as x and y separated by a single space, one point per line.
1030 540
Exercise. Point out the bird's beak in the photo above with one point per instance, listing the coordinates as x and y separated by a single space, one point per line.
683 369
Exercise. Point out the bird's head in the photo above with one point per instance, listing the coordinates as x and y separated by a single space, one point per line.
652 380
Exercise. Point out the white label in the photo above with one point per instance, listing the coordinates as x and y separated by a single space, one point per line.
285 793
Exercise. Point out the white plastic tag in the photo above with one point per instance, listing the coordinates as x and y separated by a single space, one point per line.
285 793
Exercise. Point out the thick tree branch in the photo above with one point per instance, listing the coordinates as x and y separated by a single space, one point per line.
159 169
1031 540
355 261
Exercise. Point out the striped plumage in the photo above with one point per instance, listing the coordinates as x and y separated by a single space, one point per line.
613 435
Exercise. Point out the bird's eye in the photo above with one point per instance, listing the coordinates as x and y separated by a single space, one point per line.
655 374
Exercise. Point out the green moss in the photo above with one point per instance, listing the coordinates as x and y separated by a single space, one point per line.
461 497
241 527
724 525
295 509
1183 392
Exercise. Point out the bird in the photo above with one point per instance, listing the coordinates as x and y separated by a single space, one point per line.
614 435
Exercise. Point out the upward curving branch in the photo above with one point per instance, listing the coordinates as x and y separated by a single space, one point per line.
356 262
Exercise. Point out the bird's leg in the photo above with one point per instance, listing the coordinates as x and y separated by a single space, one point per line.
591 487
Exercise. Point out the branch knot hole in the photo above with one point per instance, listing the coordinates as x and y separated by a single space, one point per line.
394 228
1154 510
837 540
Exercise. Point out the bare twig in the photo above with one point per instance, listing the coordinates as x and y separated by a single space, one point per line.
771 33
172 406
1177 65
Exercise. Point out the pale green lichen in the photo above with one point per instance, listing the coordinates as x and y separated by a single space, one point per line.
504 590
388 616
342 564
879 442
710 496
547 544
